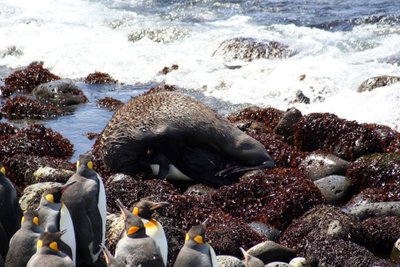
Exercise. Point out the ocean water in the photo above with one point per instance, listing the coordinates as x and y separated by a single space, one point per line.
336 44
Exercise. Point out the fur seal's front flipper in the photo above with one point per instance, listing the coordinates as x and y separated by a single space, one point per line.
239 169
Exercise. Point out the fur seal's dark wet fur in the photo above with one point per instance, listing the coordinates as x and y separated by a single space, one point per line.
172 128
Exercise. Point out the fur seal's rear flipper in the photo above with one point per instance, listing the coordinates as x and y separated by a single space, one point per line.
190 137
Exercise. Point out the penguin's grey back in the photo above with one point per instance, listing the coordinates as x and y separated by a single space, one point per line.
198 256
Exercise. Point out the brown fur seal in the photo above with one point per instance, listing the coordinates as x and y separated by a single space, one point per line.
170 128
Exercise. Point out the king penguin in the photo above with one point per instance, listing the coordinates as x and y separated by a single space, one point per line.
136 248
145 210
86 201
10 211
54 216
110 259
48 253
196 251
23 242
251 261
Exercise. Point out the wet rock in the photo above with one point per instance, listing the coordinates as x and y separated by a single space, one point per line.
60 93
31 196
383 233
92 136
335 188
199 189
11 51
346 139
110 103
270 251
36 140
114 227
378 81
167 70
26 79
384 133
366 210
299 262
21 168
100 78
265 230
317 166
273 197
287 123
277 264
47 174
300 97
229 261
267 117
162 35
322 223
375 171
249 49
22 107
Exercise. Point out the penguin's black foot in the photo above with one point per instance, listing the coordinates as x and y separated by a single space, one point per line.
238 169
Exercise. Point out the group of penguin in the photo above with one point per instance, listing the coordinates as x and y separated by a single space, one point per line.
68 229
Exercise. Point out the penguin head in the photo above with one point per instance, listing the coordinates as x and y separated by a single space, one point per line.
30 216
84 165
54 194
145 208
251 261
50 241
196 235
134 226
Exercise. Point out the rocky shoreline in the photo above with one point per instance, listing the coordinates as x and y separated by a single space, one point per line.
334 197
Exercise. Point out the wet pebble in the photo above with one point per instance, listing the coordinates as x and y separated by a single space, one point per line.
270 251
335 188
278 264
229 261
317 166
287 123
366 210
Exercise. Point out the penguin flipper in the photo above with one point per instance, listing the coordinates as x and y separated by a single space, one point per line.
238 169
213 257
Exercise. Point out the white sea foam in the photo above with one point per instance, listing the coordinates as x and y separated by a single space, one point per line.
78 37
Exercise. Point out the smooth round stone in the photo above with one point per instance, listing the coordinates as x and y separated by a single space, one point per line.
366 210
288 122
229 261
317 166
31 196
48 173
335 188
298 262
270 251
60 93
265 230
278 264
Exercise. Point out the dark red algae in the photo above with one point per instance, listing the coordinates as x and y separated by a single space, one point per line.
27 79
100 78
110 103
268 117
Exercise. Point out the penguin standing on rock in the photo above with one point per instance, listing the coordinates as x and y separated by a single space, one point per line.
23 242
48 253
196 251
86 201
10 211
145 210
54 216
136 248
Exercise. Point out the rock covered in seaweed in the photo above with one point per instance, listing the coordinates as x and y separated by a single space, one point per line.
110 103
60 93
28 78
100 78
269 118
346 139
273 196
249 49
22 107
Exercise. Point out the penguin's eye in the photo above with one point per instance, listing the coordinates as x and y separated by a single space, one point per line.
39 244
54 246
36 220
90 165
23 219
3 170
198 239
136 211
133 230
49 198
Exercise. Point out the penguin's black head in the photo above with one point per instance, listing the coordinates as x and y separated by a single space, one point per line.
133 224
30 216
196 234
84 163
53 194
50 240
145 208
